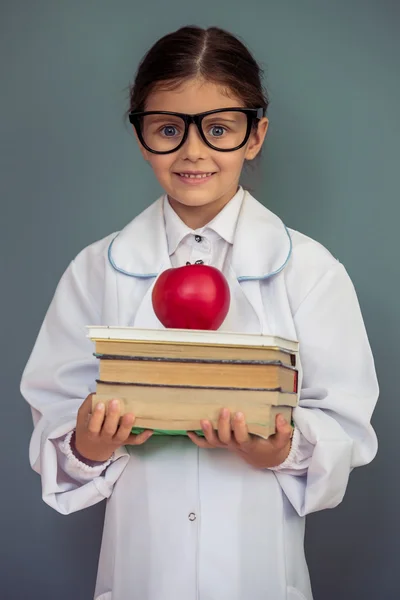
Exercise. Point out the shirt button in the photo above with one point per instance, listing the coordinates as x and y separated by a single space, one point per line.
192 517
198 238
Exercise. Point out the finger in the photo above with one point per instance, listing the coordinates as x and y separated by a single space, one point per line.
240 430
210 434
124 428
139 439
199 441
111 422
97 418
224 426
283 433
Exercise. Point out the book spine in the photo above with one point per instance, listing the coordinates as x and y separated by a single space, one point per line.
224 361
185 386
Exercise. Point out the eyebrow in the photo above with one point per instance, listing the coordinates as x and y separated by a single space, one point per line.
219 119
162 118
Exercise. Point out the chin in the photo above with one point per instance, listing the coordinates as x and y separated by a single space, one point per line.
193 199
192 196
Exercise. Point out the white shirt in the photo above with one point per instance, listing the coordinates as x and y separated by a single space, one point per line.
211 244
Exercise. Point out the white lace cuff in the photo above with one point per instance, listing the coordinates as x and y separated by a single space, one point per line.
290 460
299 457
76 466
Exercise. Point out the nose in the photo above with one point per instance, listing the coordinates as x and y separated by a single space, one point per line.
194 148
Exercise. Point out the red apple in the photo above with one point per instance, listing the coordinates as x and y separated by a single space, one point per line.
191 297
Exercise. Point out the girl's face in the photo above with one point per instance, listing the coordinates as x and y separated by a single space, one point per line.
198 201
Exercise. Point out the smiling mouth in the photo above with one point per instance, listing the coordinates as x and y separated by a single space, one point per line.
195 175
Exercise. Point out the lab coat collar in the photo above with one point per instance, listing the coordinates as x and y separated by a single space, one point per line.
261 248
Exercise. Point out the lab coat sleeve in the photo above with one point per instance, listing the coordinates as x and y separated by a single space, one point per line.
60 373
333 433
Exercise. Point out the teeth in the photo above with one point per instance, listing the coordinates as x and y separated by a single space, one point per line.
199 176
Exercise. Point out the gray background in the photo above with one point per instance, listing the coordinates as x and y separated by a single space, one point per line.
70 174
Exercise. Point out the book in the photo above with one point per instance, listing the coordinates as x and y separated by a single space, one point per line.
183 407
191 350
202 372
190 336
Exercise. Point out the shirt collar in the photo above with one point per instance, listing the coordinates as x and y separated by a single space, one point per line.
224 224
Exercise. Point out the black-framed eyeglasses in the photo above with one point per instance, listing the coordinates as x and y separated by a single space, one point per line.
223 129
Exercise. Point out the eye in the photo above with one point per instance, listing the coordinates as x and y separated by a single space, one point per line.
169 130
217 130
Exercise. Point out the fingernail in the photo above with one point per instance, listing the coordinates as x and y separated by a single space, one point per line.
204 425
281 420
225 413
114 404
100 406
239 416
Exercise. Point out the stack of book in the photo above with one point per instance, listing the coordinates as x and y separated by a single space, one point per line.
171 379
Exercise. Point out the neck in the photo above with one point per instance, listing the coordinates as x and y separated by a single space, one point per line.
196 217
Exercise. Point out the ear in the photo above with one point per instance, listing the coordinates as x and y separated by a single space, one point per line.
257 138
142 149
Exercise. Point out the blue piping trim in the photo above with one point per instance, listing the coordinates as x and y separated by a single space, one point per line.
114 266
251 278
242 278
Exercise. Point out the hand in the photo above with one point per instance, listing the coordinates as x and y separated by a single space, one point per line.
99 433
233 434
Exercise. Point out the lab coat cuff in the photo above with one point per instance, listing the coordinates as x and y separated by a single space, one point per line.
88 469
299 456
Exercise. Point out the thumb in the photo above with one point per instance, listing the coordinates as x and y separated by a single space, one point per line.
283 433
85 409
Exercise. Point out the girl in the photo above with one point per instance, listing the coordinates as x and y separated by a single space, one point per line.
219 517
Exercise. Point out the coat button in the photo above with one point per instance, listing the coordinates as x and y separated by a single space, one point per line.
198 238
192 517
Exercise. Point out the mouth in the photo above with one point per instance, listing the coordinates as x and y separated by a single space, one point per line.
195 177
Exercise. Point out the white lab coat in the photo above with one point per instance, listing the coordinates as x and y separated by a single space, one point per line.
184 523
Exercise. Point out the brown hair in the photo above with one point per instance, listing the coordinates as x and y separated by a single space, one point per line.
212 54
